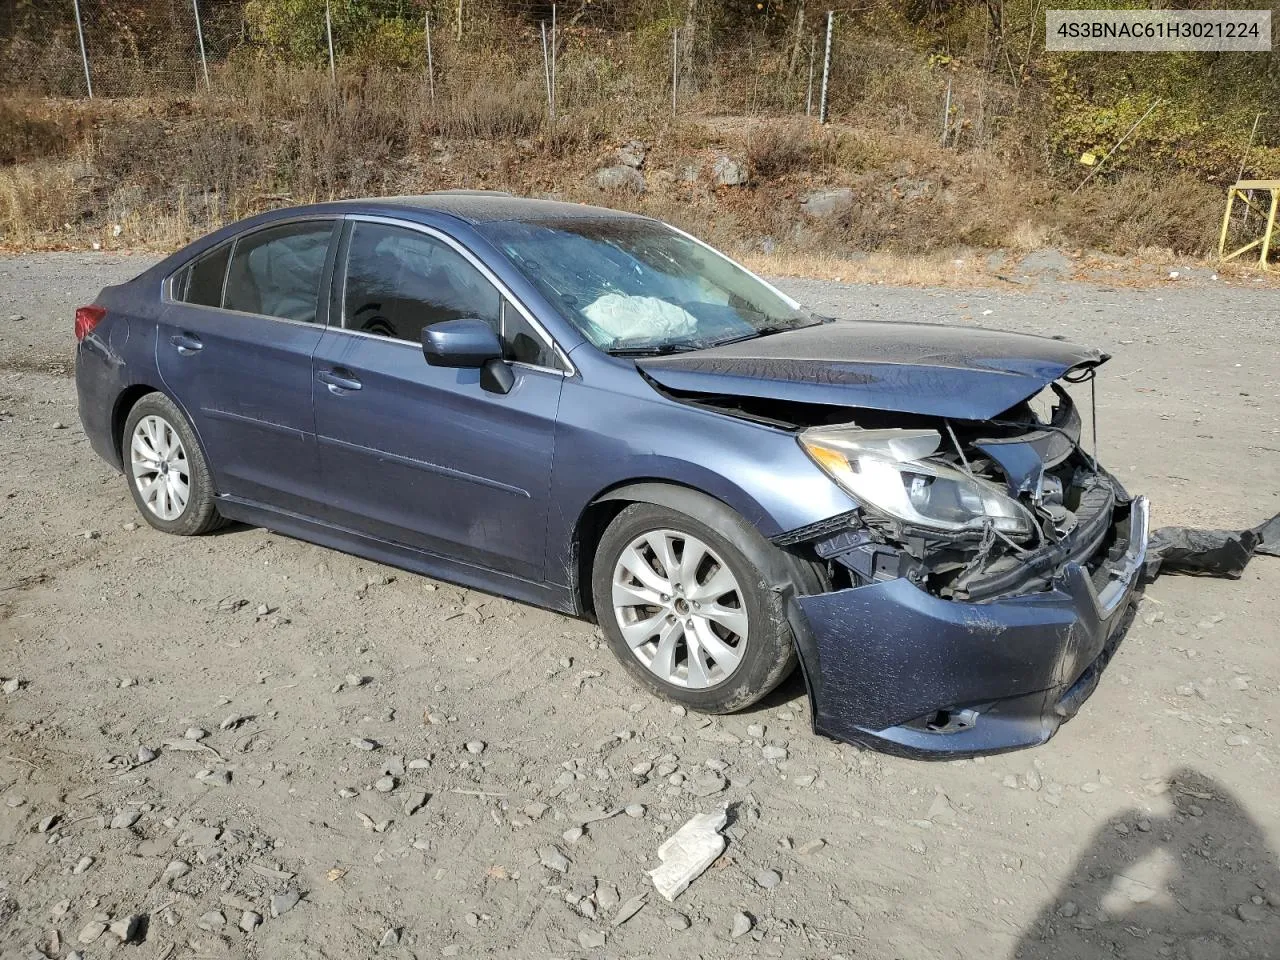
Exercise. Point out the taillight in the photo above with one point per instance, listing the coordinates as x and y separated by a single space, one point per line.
87 318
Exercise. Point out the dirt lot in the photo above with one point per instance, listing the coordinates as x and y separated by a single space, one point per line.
1147 828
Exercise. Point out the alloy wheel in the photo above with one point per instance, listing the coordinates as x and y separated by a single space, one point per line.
680 609
159 464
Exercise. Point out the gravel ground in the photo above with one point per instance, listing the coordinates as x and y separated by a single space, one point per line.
246 746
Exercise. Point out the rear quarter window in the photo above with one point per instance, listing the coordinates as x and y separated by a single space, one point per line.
201 282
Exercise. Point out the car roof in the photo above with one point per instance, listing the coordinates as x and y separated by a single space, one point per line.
486 206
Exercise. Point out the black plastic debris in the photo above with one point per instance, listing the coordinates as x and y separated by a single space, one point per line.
1213 553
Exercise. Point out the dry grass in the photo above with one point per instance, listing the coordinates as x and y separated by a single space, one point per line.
959 269
157 172
38 199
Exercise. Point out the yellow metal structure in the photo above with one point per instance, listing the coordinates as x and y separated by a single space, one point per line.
1240 191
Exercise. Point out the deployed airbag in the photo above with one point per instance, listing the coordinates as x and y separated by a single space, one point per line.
641 318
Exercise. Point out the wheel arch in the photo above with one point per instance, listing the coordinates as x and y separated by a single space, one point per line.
786 572
127 399
125 402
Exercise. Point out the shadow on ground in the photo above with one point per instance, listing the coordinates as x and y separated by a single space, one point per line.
1200 884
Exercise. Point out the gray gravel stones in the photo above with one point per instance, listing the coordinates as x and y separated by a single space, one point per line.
125 819
741 926
476 747
768 879
810 847
1250 913
384 784
146 754
212 921
591 939
553 859
283 902
127 929
635 810
176 869
630 907
250 920
678 921
707 783
91 931
606 895
360 743
771 751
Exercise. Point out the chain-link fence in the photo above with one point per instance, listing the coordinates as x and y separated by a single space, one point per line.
765 57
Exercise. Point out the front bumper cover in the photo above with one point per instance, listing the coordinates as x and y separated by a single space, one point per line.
895 668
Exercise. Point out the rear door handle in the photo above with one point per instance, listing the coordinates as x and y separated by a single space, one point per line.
187 343
339 380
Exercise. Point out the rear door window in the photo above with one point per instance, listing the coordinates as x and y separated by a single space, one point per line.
277 271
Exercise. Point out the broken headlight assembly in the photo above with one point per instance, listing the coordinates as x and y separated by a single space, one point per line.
890 471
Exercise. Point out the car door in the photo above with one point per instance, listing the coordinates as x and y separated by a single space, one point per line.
236 337
424 456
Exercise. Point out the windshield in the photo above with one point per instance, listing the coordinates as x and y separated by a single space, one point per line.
638 286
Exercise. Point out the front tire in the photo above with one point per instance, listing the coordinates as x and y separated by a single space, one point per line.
687 609
165 468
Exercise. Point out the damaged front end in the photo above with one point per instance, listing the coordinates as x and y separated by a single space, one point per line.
979 589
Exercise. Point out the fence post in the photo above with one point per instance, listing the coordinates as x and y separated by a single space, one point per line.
457 33
826 69
675 66
204 63
808 97
84 55
946 114
431 67
328 32
555 90
546 71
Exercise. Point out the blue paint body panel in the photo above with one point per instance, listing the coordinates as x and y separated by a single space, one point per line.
355 442
880 657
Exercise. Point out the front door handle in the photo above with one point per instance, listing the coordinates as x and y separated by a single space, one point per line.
187 343
339 380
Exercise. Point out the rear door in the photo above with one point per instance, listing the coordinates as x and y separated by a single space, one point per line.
236 339
422 455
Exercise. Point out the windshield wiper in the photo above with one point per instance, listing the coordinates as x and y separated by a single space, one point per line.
765 332
652 349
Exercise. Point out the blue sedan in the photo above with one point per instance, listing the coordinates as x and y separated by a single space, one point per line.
596 412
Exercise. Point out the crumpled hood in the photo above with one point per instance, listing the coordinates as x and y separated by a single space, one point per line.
946 371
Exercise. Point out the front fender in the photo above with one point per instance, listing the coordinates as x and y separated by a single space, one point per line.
607 438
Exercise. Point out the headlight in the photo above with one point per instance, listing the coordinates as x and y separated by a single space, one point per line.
888 470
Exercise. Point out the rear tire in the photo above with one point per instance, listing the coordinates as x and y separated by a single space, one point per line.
685 606
165 468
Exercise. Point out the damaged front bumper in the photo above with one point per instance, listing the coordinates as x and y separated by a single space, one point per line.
894 667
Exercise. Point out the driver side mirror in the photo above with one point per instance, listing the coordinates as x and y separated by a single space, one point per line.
469 343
